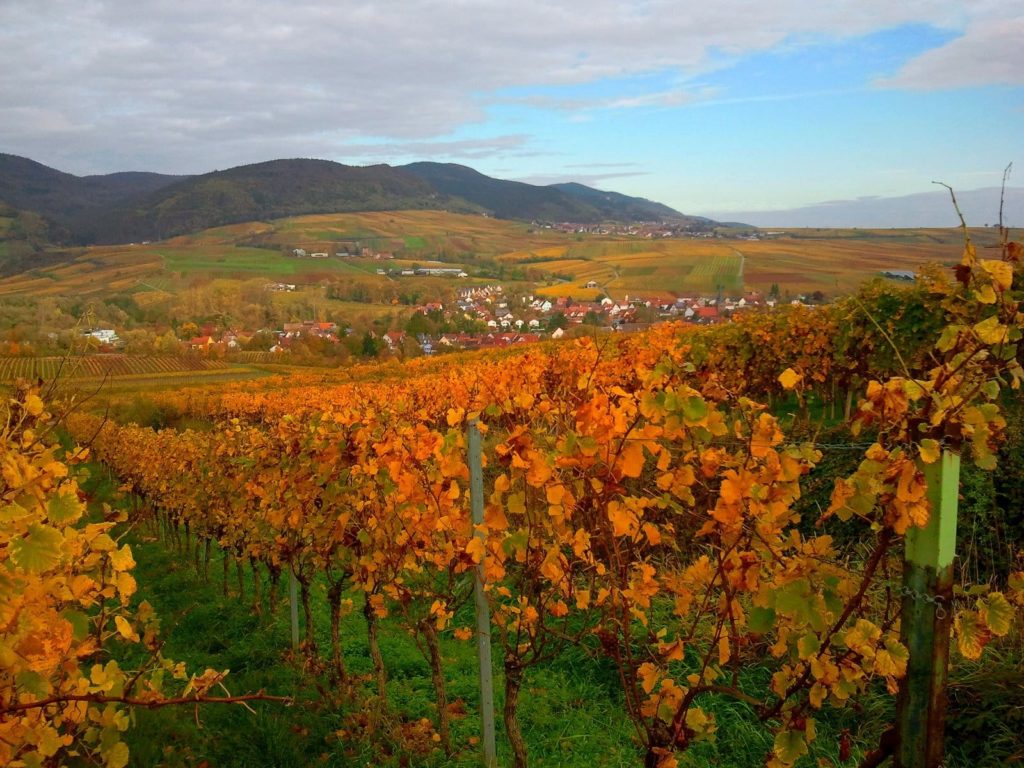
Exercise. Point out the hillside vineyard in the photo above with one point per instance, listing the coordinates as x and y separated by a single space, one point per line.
641 501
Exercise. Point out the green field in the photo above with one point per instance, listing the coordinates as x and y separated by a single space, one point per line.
832 261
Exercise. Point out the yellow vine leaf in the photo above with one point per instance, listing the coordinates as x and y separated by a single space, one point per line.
33 405
475 549
930 450
789 746
1001 271
996 612
631 462
789 378
991 331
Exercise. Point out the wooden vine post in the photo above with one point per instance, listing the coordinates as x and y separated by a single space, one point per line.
483 611
293 604
926 618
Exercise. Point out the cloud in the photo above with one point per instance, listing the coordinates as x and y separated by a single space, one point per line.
989 52
100 85
590 179
590 166
469 149
675 97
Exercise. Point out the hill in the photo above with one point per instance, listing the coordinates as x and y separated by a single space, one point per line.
613 205
134 207
25 239
556 202
70 201
518 200
269 190
535 259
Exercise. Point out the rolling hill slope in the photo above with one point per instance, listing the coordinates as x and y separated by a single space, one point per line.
270 190
505 199
613 205
133 207
66 200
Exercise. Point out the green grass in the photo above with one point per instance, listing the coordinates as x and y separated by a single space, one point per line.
228 260
568 714
568 719
570 708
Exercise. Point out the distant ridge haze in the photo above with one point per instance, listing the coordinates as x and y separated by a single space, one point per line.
924 209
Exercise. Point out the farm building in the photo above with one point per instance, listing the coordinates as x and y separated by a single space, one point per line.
899 274
102 335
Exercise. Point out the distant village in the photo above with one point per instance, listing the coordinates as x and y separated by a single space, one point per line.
507 321
659 230
496 319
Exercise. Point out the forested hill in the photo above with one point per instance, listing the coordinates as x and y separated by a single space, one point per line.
557 202
613 205
270 190
127 207
65 199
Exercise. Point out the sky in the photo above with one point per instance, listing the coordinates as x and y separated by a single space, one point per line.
718 106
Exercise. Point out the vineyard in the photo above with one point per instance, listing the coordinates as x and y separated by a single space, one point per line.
643 508
99 366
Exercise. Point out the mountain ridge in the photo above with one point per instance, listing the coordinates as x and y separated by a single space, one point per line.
918 210
133 206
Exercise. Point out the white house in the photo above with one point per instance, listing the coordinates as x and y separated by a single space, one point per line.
102 335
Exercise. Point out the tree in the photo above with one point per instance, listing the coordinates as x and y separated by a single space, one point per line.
139 342
261 341
167 344
557 320
419 323
371 346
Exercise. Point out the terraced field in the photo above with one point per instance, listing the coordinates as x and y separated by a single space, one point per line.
108 269
622 267
798 261
413 234
156 269
837 265
100 366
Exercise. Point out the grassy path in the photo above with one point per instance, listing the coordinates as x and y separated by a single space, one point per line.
570 713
